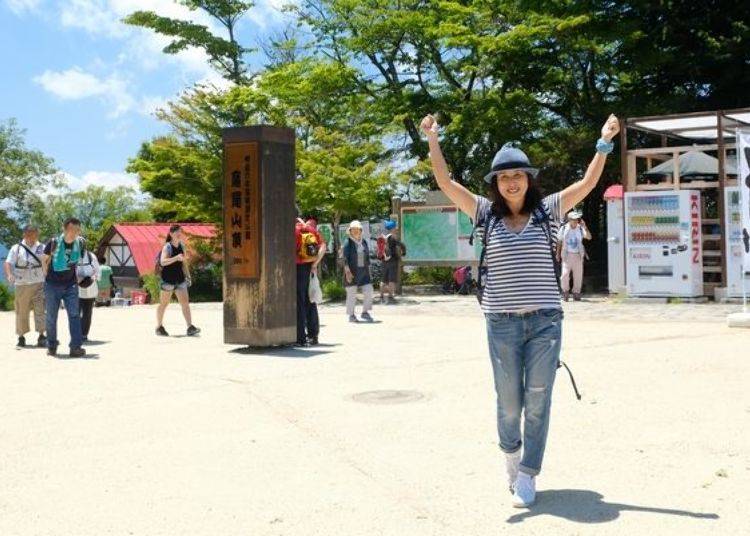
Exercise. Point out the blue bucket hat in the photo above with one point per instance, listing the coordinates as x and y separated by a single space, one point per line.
390 225
510 157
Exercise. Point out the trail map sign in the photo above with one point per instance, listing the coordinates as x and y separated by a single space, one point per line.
438 234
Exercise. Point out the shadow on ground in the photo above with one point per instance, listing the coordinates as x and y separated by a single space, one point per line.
68 357
583 506
290 352
95 343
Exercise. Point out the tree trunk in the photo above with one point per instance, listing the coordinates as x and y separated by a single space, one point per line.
337 265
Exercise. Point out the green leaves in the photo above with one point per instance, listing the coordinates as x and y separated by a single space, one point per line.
24 174
225 54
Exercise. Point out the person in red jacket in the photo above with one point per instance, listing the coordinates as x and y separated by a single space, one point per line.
310 251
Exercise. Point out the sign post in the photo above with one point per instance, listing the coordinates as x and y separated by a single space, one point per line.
259 267
743 175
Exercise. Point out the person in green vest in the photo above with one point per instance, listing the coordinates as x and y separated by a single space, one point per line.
106 281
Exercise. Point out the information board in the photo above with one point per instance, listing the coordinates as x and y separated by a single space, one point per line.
242 210
438 234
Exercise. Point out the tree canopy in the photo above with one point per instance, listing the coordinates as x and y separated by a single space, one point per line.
24 173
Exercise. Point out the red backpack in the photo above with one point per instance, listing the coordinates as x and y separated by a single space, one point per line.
381 245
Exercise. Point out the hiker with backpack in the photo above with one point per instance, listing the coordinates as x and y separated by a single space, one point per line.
519 293
356 254
172 268
24 270
571 253
61 256
390 251
89 273
311 249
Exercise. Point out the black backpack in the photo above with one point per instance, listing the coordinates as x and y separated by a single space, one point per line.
157 260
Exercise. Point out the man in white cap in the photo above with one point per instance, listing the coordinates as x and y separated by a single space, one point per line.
571 252
23 269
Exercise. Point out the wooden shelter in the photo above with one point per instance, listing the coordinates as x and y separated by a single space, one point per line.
675 135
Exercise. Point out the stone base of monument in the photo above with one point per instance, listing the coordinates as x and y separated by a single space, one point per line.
739 320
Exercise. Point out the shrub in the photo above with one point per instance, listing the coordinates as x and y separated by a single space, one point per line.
207 283
6 298
151 282
333 290
429 275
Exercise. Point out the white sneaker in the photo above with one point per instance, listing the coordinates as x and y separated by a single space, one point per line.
512 461
524 490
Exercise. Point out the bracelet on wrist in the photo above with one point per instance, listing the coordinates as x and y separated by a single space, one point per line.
603 146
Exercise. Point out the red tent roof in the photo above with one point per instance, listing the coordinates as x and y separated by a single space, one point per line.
614 192
145 239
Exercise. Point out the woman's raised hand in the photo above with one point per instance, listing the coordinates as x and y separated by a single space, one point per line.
610 128
429 125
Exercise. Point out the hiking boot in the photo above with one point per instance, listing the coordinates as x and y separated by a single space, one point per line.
576 297
41 342
353 319
524 491
512 461
52 351
301 344
84 339
21 342
566 296
312 341
161 332
367 318
77 352
192 330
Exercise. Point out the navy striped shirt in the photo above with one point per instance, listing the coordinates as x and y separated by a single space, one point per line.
520 271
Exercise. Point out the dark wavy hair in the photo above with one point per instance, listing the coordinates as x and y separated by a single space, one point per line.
500 208
172 229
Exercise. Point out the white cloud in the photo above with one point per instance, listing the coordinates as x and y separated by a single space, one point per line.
76 84
107 179
267 12
21 6
103 18
110 179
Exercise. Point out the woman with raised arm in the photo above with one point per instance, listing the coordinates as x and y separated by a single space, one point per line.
520 295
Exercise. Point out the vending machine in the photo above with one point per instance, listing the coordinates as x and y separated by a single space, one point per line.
664 243
734 243
615 239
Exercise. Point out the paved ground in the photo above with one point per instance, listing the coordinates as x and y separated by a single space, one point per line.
187 436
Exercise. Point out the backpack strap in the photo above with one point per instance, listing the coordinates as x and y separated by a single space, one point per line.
541 217
30 253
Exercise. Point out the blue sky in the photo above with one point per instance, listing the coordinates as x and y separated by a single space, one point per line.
85 86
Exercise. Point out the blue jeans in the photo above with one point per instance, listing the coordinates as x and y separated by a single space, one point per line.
525 351
53 295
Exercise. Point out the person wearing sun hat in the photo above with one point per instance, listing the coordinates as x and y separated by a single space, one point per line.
356 254
571 253
519 291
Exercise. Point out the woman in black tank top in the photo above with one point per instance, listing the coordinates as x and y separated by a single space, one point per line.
174 279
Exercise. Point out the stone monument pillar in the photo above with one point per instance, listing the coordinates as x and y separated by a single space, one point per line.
259 244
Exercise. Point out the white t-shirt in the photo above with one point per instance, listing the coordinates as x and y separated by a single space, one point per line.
572 239
89 260
24 266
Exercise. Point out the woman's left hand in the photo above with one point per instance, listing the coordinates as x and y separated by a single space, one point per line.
610 128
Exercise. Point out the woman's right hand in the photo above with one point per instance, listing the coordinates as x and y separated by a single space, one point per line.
429 125
348 275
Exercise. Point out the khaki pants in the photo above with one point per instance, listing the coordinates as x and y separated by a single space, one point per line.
572 264
28 298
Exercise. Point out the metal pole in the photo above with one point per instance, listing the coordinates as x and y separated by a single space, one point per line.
720 200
